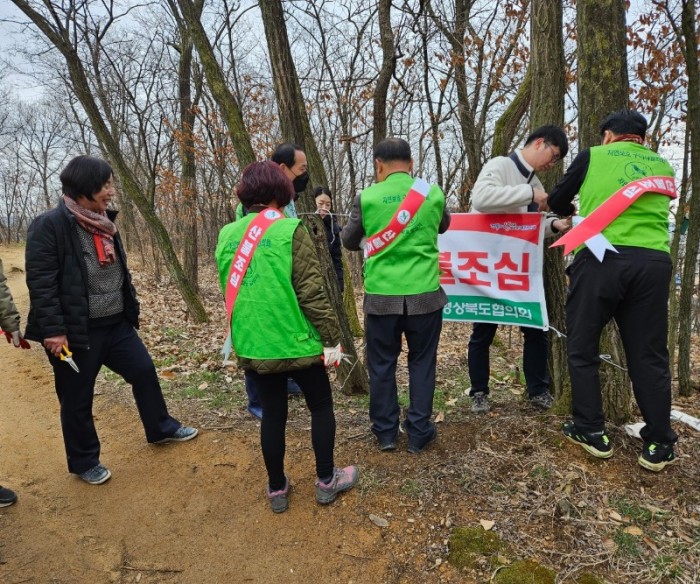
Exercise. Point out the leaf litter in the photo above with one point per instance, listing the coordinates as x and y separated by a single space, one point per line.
510 471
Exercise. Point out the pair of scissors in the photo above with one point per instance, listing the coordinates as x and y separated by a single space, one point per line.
67 356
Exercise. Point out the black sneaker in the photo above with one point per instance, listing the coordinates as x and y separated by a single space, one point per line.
544 400
480 403
417 448
7 497
182 434
389 445
655 456
595 443
96 475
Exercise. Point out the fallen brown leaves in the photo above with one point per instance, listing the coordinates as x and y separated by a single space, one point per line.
510 471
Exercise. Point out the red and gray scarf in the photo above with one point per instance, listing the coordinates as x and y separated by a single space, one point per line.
102 229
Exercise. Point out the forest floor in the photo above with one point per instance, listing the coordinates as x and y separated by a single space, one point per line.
498 498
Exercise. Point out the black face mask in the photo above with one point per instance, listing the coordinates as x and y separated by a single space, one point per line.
300 182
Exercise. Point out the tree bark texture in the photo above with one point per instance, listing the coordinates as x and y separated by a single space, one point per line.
295 126
381 89
186 146
218 85
507 125
547 69
61 38
673 292
689 44
603 87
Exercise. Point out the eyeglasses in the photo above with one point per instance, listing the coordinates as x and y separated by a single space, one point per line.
556 157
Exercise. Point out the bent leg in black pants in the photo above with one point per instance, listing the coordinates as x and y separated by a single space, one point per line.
319 399
119 348
126 355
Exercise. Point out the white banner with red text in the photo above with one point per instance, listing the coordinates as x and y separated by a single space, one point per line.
492 269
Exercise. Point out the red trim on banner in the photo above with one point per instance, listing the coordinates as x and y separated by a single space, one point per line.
525 226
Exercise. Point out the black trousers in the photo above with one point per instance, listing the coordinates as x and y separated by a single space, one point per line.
632 287
383 334
535 352
272 391
119 348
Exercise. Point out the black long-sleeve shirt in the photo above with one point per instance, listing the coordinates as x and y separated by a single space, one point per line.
567 188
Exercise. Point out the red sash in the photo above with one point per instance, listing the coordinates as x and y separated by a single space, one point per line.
407 210
244 253
613 207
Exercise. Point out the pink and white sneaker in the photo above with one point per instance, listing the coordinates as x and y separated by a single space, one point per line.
343 479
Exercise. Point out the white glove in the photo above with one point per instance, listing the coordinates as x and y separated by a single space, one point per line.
333 355
16 339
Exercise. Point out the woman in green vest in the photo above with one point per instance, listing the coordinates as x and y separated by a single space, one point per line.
282 325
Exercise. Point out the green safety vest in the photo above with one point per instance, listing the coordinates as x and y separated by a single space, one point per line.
267 321
612 166
410 264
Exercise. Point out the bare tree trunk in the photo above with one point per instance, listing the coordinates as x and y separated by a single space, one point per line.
386 72
603 87
547 107
688 39
62 39
507 125
186 146
217 83
295 127
349 302
455 37
673 295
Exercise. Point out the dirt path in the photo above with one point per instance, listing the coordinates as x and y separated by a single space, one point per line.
185 513
196 512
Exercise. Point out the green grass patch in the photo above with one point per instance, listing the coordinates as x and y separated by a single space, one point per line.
627 544
174 332
666 567
165 361
208 386
525 572
468 544
369 481
539 473
412 488
110 376
632 510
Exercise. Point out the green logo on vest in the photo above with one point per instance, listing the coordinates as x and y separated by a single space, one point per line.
404 217
637 170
